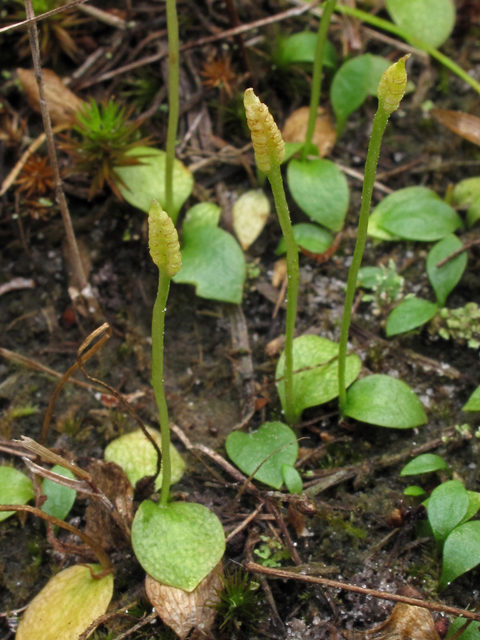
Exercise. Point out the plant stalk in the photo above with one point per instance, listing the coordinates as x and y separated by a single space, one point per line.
379 124
329 7
173 102
158 331
275 177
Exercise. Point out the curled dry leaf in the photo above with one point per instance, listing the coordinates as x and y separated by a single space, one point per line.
250 213
62 103
405 623
324 135
279 272
463 124
182 611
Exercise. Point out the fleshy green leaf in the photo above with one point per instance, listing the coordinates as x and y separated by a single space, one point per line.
353 82
473 506
473 216
473 403
369 277
385 402
315 360
414 491
214 263
137 457
179 544
426 463
461 552
248 451
204 214
15 488
146 181
410 314
300 47
431 21
292 479
291 148
308 236
446 508
60 499
472 632
250 213
67 605
445 279
467 195
320 189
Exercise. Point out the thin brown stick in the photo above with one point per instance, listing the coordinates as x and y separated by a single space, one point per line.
414 602
244 523
42 16
456 253
142 623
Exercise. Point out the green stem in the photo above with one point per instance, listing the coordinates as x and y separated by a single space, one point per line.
158 330
329 7
173 102
379 124
419 44
275 177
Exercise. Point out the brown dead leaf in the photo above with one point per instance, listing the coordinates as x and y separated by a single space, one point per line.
296 519
405 623
275 346
62 103
463 124
181 611
279 272
324 136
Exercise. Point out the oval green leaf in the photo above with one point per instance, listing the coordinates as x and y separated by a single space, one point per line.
386 402
300 47
316 381
410 314
320 189
67 605
309 237
446 508
135 454
369 277
146 181
473 506
472 632
426 463
461 552
292 479
60 499
15 488
445 279
203 214
431 21
214 263
274 444
414 491
179 544
473 403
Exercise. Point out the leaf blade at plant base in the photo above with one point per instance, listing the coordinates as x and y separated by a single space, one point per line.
445 279
461 552
292 479
67 605
249 451
473 403
60 499
15 488
410 314
320 189
250 214
308 236
179 544
214 263
431 21
425 463
446 508
300 47
385 402
316 379
203 214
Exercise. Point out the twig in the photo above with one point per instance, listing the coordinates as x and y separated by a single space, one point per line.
456 253
142 623
17 283
244 523
358 175
42 16
107 18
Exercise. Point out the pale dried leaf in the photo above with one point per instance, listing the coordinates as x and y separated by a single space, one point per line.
279 272
62 103
275 346
250 213
324 136
463 124
182 611
405 623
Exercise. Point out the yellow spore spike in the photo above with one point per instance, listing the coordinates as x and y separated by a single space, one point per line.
392 85
267 140
163 240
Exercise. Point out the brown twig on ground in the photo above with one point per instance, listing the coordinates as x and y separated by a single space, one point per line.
456 253
47 14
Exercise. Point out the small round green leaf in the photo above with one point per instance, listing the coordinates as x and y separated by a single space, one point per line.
316 381
431 21
473 506
461 552
15 488
60 499
292 479
291 148
369 277
473 403
466 192
274 445
426 463
67 605
179 544
310 237
146 181
135 454
472 632
214 263
410 314
320 189
414 491
300 47
473 213
386 402
445 279
203 214
446 508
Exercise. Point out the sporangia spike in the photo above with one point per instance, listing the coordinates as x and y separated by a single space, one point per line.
267 140
392 86
163 240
